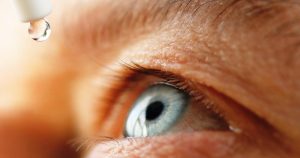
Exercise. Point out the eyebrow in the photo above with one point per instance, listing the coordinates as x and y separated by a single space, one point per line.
110 21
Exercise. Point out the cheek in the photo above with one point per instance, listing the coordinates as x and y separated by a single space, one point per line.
27 136
35 114
206 145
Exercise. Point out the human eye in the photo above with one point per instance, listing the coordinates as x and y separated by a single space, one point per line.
156 106
162 108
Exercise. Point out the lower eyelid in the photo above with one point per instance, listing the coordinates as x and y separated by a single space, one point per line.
204 144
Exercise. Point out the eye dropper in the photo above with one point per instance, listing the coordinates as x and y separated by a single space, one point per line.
34 13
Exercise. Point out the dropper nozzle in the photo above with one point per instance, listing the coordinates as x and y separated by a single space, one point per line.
34 12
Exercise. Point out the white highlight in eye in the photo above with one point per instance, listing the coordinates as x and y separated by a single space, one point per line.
138 116
235 129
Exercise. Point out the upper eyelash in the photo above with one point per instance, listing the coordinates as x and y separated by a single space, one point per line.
179 83
169 78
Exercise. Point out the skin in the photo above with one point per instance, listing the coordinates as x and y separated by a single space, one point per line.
243 56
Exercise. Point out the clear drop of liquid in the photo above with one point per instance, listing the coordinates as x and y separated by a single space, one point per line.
39 30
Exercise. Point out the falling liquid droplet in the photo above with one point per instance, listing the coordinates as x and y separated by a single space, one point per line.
39 30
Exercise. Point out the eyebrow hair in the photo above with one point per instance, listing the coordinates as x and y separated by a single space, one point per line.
111 20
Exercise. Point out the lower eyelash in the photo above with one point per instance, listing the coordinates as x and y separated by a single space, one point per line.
86 143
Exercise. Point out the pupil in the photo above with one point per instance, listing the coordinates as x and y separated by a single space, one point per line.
154 110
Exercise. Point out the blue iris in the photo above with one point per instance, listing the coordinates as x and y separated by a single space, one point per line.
155 111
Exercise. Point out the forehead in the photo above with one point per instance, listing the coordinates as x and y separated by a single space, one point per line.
226 23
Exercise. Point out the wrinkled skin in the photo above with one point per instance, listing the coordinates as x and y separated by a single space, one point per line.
245 54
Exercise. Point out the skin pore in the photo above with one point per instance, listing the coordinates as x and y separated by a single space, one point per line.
242 55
